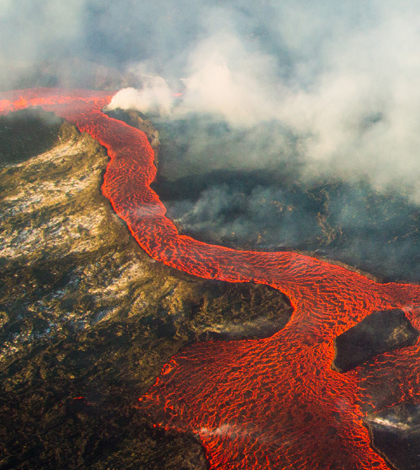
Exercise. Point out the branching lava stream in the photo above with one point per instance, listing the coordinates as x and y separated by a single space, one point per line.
256 404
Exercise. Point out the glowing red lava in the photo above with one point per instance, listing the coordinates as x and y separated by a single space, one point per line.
256 404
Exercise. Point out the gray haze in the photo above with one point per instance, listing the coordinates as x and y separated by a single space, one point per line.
341 78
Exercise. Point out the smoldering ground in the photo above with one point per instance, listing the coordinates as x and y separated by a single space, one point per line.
276 208
318 93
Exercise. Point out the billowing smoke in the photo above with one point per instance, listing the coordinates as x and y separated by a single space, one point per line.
307 90
340 83
155 98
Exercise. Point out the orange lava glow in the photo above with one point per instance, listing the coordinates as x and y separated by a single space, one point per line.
272 403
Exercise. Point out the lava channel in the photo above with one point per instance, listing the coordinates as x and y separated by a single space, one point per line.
255 404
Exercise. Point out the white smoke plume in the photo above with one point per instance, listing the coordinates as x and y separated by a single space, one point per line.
155 98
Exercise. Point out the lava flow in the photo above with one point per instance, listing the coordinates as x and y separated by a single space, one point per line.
271 403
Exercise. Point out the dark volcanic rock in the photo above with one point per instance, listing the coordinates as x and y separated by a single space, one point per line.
26 133
379 332
395 434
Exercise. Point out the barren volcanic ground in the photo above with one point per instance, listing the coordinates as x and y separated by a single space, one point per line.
87 318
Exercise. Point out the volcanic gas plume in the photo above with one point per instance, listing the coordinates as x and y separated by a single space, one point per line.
269 403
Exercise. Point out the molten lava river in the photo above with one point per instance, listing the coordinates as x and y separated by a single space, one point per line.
272 403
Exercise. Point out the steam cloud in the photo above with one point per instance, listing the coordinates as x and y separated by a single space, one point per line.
154 97
340 81
332 87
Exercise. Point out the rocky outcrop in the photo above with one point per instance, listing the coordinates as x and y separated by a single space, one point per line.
379 332
395 434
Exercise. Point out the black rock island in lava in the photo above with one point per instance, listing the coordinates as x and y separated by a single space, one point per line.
255 404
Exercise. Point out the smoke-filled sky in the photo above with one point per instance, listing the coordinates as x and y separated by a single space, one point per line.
329 87
341 78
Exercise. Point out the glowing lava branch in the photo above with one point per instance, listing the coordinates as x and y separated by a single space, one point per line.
271 403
